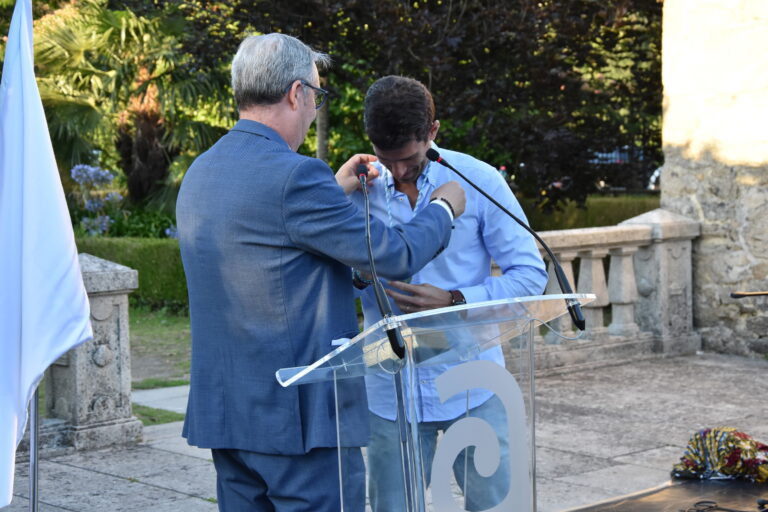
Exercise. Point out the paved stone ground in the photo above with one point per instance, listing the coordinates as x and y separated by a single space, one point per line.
600 434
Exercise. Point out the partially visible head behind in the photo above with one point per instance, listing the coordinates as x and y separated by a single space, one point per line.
397 111
266 65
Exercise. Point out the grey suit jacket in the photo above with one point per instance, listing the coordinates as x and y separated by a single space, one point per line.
267 240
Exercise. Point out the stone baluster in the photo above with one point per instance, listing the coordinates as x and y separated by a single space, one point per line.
622 292
592 280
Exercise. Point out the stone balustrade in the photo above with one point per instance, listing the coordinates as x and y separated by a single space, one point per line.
641 273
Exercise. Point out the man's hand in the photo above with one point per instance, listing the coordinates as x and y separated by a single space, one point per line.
421 296
454 194
346 177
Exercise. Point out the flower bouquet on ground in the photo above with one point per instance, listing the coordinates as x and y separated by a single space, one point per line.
723 453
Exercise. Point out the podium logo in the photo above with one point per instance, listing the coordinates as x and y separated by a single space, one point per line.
490 457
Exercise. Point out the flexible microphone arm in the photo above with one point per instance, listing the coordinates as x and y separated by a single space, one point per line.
396 341
574 307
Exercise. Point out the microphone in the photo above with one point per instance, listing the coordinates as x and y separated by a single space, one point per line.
396 341
574 307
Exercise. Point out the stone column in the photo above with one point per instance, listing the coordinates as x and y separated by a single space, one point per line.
664 282
622 292
89 388
592 280
715 141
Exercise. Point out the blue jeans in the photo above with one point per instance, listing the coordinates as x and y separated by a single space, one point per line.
257 482
385 473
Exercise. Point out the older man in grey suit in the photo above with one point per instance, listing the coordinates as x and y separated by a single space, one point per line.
267 238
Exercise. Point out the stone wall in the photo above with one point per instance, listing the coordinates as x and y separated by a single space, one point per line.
715 75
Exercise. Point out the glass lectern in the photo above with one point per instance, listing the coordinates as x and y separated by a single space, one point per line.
453 420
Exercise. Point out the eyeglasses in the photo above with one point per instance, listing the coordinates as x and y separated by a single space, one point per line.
320 94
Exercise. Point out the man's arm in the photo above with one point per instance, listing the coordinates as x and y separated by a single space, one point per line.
320 218
419 297
513 249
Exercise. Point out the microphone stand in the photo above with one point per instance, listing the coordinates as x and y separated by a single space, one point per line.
574 307
396 341
411 474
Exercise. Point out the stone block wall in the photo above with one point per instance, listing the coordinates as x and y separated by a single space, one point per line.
715 75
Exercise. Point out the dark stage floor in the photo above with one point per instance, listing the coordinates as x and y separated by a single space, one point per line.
682 496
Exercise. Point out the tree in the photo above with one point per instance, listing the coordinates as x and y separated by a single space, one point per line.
117 87
39 8
540 86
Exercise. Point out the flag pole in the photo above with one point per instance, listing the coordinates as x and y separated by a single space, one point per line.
33 450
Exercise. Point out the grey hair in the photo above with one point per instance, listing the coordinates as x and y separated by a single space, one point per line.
266 65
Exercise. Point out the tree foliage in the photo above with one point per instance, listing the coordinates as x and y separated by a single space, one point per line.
118 89
539 86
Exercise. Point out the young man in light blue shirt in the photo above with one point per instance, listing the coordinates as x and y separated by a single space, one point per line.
400 122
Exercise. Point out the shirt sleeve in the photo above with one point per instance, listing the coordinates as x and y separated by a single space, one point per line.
514 250
320 218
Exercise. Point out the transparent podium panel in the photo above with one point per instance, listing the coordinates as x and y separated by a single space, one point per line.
451 424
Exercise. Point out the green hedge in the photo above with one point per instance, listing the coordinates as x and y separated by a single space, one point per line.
158 261
599 211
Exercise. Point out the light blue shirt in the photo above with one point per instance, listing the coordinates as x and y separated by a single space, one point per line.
483 233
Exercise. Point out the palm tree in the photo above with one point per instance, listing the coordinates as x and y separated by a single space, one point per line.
119 88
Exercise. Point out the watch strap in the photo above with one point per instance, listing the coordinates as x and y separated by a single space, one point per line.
457 298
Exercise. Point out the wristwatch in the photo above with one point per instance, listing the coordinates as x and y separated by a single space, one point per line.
457 298
358 281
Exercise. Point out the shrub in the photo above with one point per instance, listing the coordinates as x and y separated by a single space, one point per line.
161 275
96 211
143 223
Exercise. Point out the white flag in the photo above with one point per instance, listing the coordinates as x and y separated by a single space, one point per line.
43 304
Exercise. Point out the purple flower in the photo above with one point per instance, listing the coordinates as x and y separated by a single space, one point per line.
88 175
171 232
94 205
96 225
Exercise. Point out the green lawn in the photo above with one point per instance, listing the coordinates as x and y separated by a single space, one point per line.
160 348
150 416
155 382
